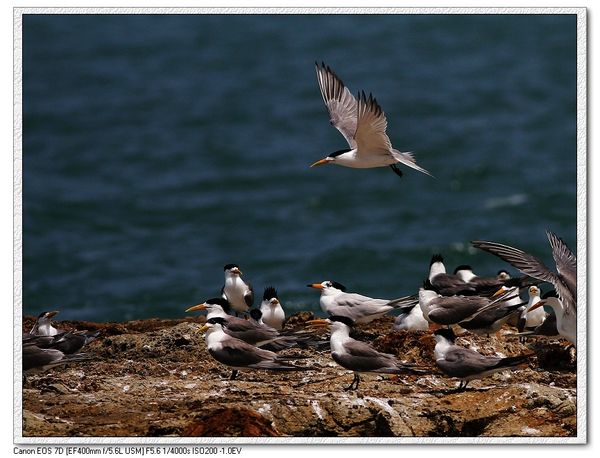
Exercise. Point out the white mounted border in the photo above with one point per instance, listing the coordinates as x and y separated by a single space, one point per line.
582 413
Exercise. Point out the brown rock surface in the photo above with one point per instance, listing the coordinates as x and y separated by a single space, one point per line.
155 378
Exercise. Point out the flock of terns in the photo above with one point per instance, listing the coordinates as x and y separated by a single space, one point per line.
246 338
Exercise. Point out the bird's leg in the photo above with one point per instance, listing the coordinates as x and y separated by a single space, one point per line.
356 379
234 374
396 169
462 385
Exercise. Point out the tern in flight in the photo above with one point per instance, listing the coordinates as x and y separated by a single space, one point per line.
363 125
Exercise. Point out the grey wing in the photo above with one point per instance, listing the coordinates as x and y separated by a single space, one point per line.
464 362
340 103
249 295
249 331
362 357
525 262
453 309
237 353
370 130
566 265
357 306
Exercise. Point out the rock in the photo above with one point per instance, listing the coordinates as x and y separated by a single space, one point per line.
156 378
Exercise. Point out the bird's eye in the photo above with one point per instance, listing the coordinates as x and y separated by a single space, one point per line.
328 284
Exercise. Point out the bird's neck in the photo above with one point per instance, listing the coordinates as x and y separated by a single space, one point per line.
338 337
466 275
441 347
214 337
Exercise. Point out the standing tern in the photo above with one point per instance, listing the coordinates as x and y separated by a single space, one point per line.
466 364
359 356
531 319
363 125
361 309
240 355
564 280
239 294
271 309
43 325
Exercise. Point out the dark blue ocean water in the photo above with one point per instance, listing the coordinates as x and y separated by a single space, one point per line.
157 148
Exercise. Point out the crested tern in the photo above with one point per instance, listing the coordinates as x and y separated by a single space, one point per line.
240 355
359 356
564 279
447 284
363 124
271 309
43 324
239 293
411 319
361 309
466 364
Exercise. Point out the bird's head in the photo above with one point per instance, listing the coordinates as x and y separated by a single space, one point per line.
331 157
534 291
270 296
328 287
216 304
232 269
44 316
213 324
503 275
334 322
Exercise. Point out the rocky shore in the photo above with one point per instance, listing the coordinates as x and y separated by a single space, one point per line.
152 378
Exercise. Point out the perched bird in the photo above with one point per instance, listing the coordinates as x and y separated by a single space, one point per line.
240 355
43 325
564 279
447 284
67 342
239 294
36 359
271 309
547 327
363 125
466 364
529 320
490 319
411 319
449 310
359 356
361 309
247 330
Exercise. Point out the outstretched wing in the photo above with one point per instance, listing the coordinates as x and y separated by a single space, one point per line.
370 131
340 103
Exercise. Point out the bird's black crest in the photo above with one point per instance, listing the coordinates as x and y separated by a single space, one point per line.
337 285
551 293
217 320
338 152
342 319
270 293
220 301
436 258
446 333
230 266
255 314
463 267
41 315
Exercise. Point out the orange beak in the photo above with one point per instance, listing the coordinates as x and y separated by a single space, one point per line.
315 285
319 323
320 162
197 307
537 305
